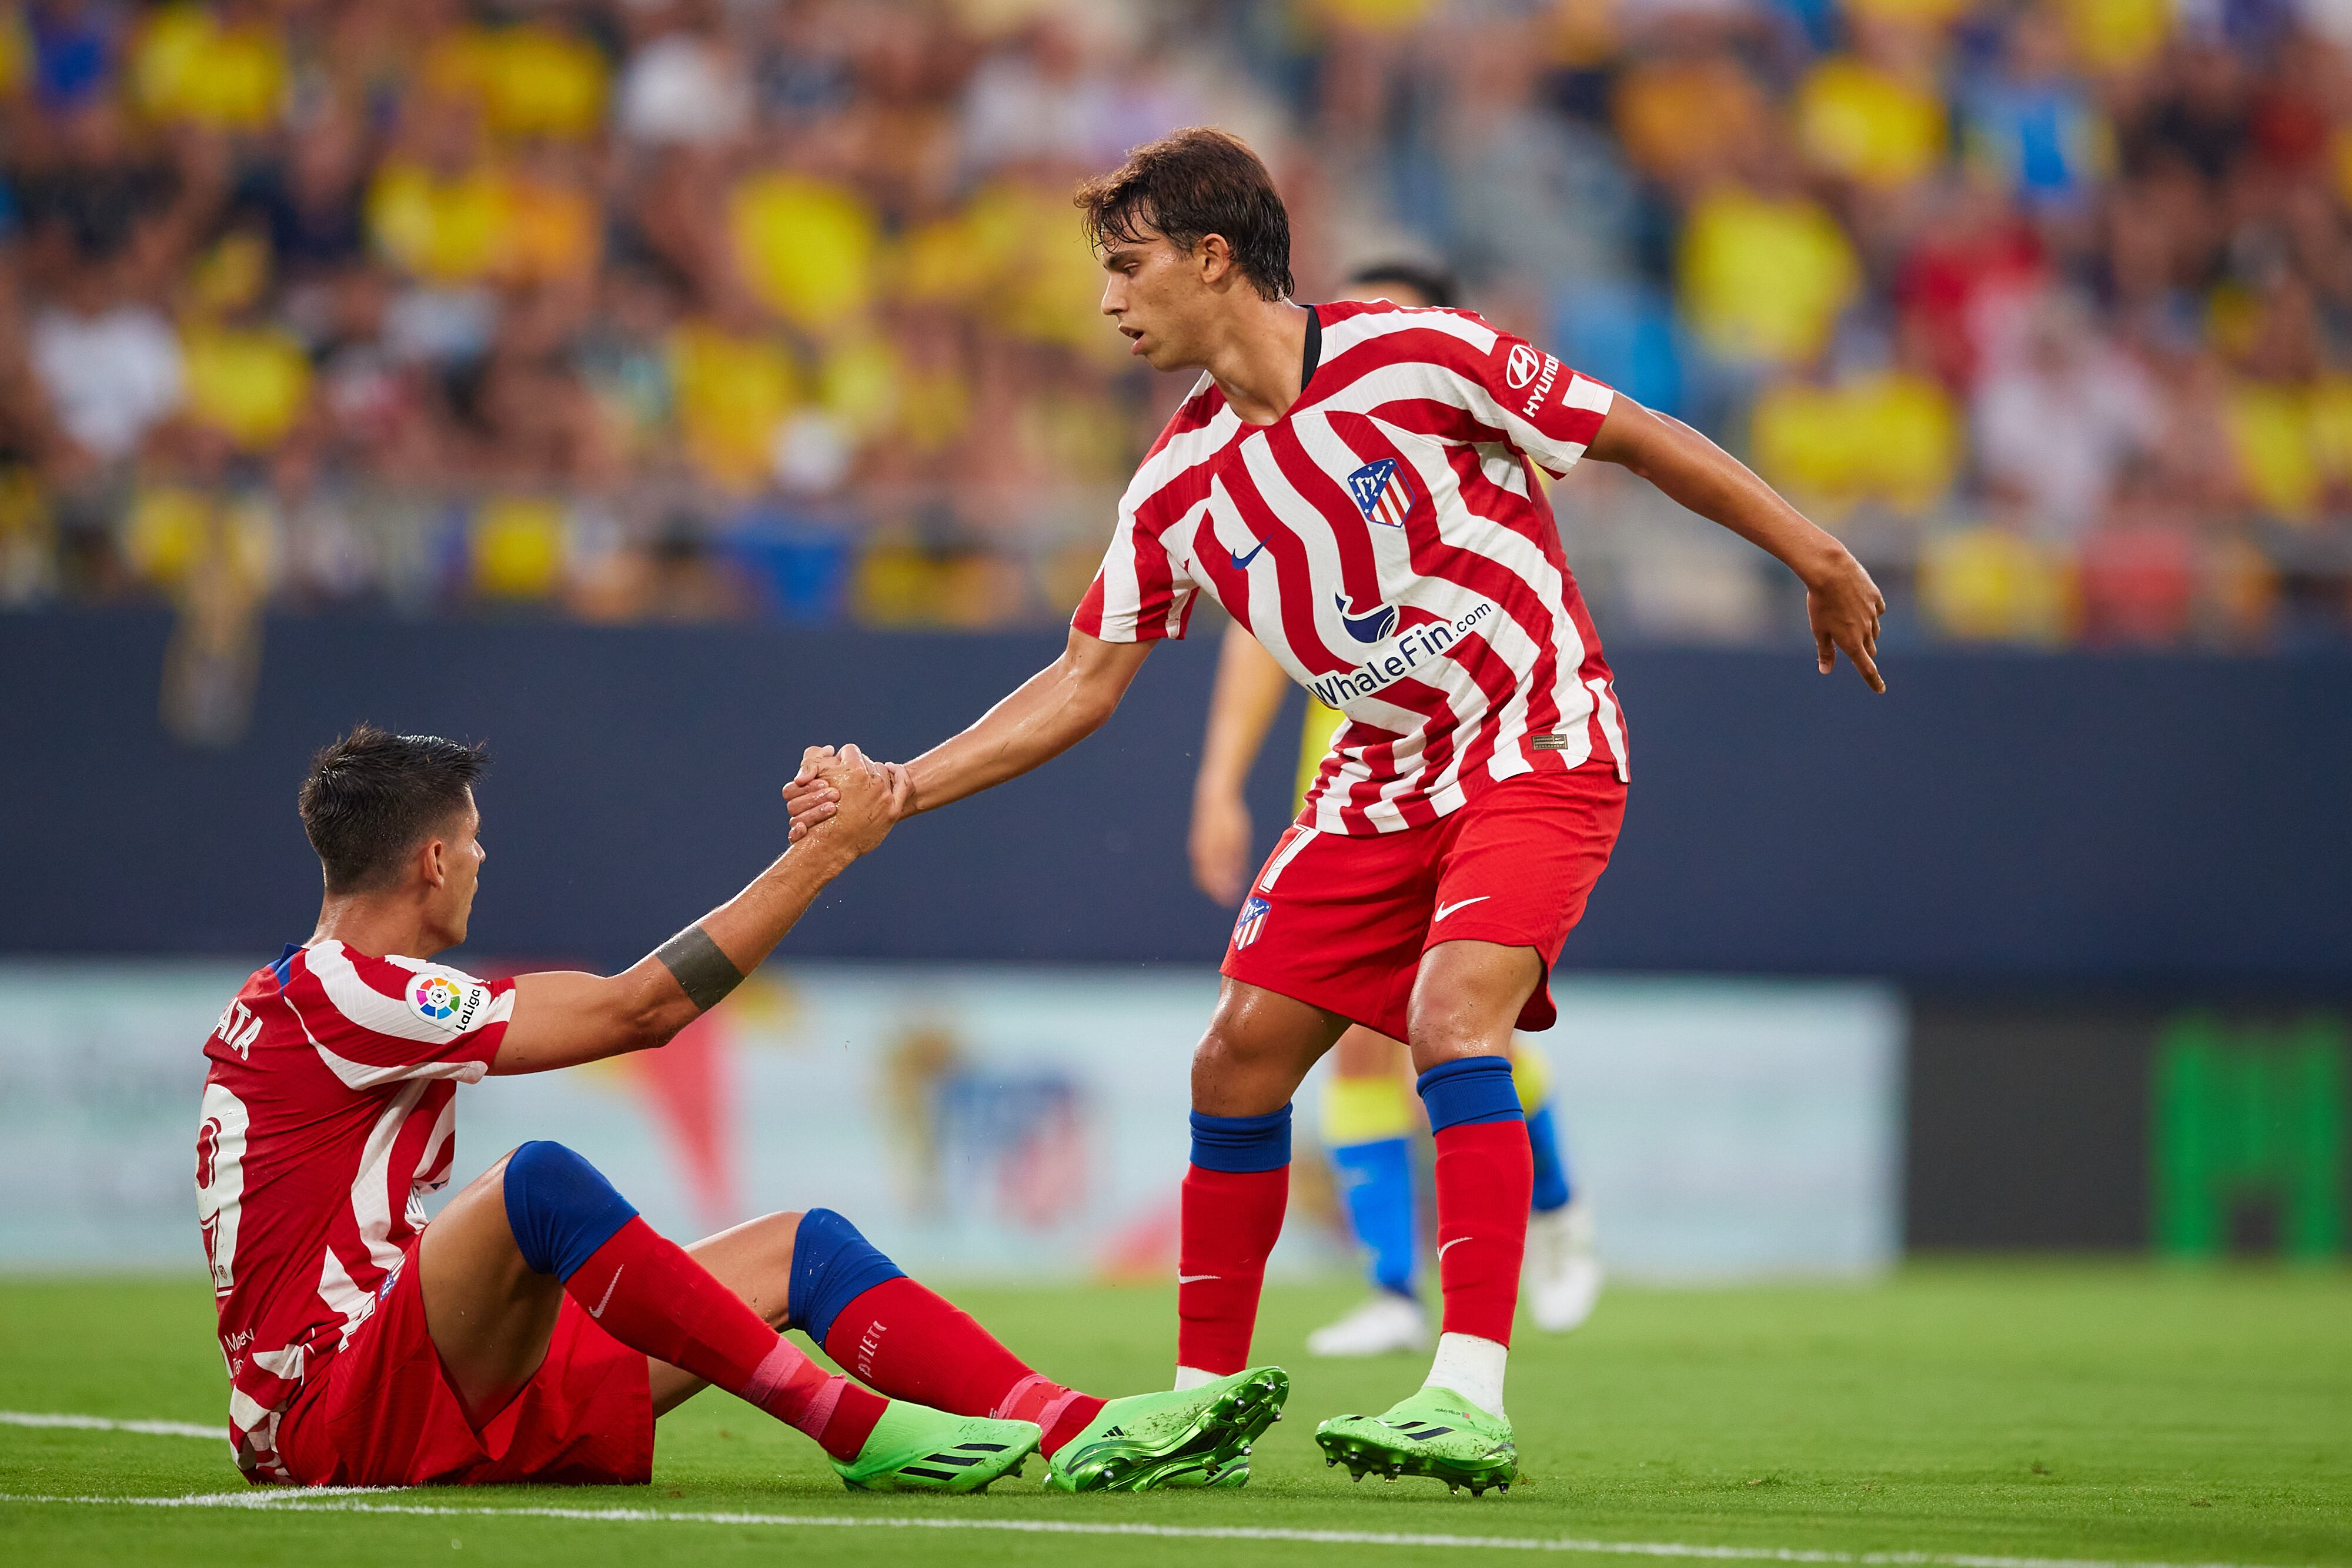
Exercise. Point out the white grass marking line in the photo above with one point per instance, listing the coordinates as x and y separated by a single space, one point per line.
100 1424
362 1499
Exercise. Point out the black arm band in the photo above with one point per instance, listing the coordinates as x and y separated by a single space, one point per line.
702 971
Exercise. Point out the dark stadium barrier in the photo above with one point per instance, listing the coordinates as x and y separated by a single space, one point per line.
2122 821
2118 1122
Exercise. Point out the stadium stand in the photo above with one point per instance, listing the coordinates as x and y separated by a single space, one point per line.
685 310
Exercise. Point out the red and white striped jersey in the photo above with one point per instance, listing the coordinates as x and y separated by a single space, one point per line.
1388 541
329 1113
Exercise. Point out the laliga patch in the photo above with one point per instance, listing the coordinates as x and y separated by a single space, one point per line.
448 1000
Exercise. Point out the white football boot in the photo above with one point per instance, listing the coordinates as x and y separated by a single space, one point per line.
1387 1322
1562 1278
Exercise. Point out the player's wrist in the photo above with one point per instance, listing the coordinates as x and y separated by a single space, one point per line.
826 854
1215 787
1822 561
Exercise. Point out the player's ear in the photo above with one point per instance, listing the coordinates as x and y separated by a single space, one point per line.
1214 258
433 861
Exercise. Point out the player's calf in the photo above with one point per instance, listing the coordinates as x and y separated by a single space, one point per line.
569 1223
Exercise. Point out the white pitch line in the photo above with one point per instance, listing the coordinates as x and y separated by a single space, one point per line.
100 1424
356 1500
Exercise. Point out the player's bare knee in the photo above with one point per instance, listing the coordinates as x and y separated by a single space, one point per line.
768 1281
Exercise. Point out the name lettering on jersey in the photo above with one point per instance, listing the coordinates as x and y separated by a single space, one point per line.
1542 386
238 1029
1422 642
452 1001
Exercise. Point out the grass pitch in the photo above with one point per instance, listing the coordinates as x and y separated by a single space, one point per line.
2114 1413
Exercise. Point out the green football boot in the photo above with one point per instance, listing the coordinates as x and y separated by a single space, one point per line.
917 1448
1187 1438
1436 1433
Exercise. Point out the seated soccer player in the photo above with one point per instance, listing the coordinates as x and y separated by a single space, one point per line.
534 1329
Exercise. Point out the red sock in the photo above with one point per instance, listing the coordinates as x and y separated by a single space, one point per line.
644 1291
1485 1175
1231 1221
913 1343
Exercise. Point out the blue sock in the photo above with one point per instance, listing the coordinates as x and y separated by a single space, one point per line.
1242 1144
833 1265
560 1207
1376 1178
1551 1167
1469 1091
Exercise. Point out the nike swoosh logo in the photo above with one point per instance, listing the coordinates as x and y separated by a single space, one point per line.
1455 1242
598 1309
1241 562
1445 909
1193 1279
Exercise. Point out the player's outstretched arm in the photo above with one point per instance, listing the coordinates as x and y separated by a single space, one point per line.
562 1018
1046 715
1249 693
1841 600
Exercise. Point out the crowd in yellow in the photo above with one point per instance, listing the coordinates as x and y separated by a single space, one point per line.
684 308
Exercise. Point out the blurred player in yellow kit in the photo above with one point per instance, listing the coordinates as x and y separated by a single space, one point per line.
1369 1110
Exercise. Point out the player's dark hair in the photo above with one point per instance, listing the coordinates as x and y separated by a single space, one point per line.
1190 184
1433 283
372 795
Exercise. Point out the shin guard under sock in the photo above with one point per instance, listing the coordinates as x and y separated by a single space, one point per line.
1234 1198
1485 1178
913 1343
646 1292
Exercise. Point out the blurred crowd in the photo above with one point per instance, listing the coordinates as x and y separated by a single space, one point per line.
720 309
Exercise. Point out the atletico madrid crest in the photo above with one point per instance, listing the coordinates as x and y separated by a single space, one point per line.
1251 923
1384 494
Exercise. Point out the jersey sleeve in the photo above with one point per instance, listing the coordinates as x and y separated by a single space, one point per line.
385 1021
1549 411
1142 592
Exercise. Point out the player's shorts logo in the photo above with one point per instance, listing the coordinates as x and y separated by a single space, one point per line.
1250 926
1521 365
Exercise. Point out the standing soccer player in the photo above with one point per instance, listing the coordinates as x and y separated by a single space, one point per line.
1368 1117
1353 484
533 1331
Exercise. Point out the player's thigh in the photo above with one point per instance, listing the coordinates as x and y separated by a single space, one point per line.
754 1259
1467 998
489 1315
1258 1046
1367 1053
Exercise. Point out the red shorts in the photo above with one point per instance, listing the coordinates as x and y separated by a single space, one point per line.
382 1413
1341 923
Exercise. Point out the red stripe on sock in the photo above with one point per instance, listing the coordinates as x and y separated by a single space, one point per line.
1231 1219
1485 1176
646 1292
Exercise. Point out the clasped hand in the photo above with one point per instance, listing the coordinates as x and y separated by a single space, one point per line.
845 798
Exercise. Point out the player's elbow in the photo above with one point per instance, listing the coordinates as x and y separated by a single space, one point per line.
1093 707
1089 698
649 1019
